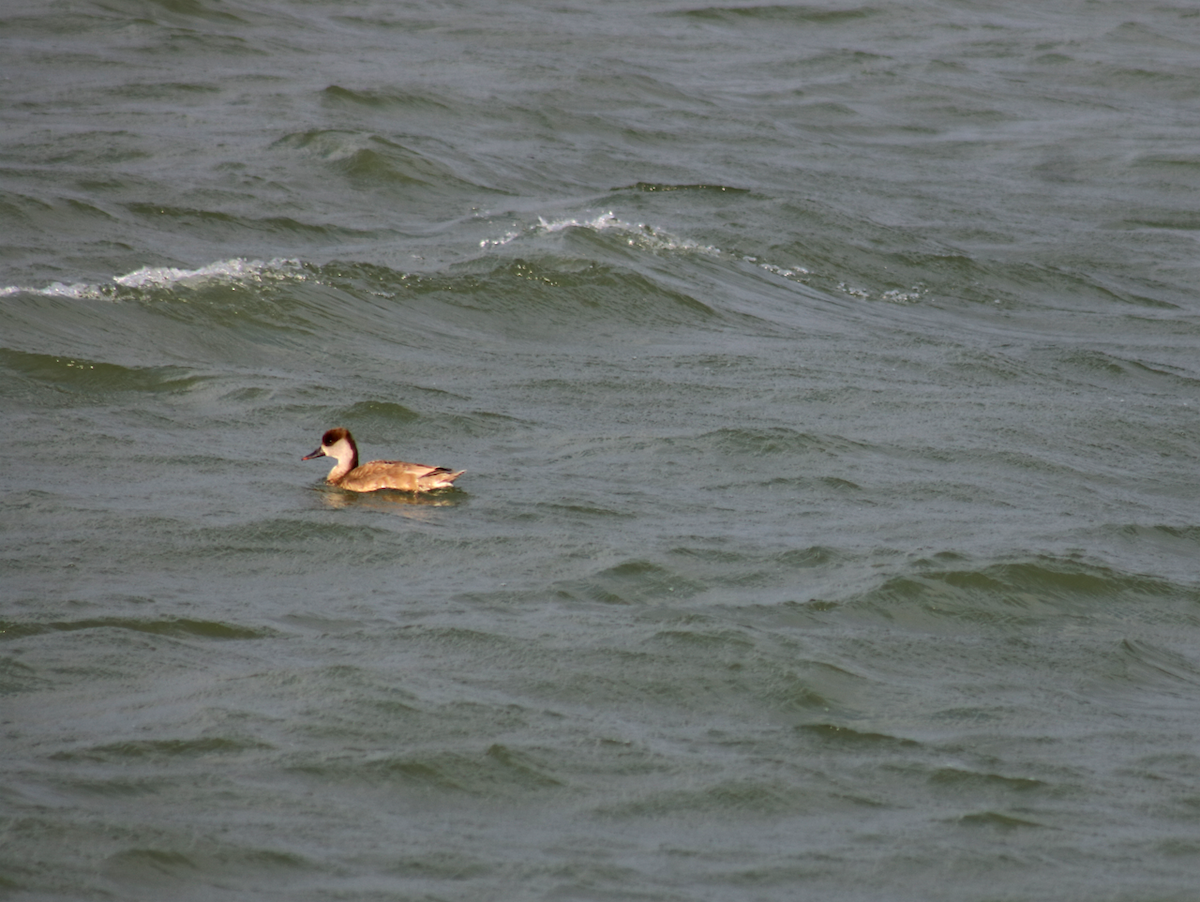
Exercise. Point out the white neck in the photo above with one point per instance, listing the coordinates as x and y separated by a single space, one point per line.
347 459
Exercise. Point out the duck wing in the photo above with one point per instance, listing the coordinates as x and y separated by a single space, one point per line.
398 474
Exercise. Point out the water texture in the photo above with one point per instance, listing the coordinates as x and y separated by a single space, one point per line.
826 377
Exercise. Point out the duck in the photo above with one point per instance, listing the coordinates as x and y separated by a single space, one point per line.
378 474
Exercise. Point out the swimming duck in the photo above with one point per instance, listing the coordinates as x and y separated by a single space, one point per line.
378 474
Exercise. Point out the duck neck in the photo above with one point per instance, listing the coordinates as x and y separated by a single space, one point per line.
344 465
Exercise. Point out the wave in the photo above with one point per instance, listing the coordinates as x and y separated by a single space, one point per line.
371 161
172 627
73 374
550 248
660 241
1039 591
774 15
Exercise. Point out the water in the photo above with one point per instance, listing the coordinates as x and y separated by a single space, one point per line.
826 379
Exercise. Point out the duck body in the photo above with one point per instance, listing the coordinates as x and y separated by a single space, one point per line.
348 474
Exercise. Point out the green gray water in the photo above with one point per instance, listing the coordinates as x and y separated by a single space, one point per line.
826 377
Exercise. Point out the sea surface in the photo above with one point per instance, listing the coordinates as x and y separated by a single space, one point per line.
827 380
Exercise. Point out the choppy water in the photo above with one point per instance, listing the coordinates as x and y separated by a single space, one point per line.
826 377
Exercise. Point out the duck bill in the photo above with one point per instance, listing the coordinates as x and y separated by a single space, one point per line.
318 453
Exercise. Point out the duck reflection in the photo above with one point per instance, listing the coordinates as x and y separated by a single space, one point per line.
417 505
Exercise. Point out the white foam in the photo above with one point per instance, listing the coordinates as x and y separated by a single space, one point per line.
636 234
55 290
647 237
854 292
235 270
603 221
897 296
507 238
787 272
